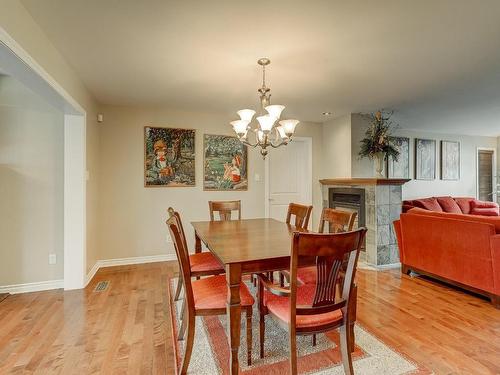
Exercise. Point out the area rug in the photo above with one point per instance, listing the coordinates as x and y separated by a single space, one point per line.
211 349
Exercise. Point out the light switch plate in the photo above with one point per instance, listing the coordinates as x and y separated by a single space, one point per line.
52 259
257 177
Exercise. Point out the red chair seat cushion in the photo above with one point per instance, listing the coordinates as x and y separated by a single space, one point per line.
307 275
204 262
448 204
280 307
211 293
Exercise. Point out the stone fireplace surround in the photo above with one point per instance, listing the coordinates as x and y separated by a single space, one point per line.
383 202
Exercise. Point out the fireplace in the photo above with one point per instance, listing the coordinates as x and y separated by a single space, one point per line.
350 199
378 203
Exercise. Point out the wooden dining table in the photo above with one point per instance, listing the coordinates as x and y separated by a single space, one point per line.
244 247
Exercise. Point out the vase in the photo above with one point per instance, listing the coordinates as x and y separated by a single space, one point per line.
379 164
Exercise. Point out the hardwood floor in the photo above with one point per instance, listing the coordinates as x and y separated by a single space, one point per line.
126 328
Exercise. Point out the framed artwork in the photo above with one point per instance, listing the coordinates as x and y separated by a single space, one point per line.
225 163
425 159
400 168
169 157
450 160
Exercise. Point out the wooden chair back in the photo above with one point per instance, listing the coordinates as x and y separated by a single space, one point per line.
174 226
171 213
338 220
224 209
330 251
301 215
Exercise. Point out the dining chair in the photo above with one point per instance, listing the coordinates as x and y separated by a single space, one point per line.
337 221
202 264
314 308
204 297
224 209
300 213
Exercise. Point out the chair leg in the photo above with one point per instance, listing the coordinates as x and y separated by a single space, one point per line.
249 336
352 337
314 339
262 333
182 330
180 284
254 278
345 345
188 349
293 351
183 309
282 280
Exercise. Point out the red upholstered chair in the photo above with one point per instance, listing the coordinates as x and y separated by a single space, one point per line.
314 308
207 296
202 264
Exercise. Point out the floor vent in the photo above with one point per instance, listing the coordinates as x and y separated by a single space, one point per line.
101 286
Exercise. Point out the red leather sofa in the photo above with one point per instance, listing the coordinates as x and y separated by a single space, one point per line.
458 205
461 249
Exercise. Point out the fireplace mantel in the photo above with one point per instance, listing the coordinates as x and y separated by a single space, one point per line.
364 181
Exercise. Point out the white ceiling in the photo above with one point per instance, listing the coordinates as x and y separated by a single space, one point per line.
422 58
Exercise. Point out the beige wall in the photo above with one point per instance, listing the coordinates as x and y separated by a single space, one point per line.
19 24
465 186
131 216
337 148
31 188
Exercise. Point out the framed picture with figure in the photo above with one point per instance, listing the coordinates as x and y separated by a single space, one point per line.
225 165
169 157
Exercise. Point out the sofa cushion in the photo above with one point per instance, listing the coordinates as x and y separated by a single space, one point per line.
464 204
488 211
476 218
430 204
482 204
448 204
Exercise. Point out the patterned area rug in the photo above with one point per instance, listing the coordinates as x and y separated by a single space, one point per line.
211 349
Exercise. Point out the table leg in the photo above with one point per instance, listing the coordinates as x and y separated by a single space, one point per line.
233 278
197 243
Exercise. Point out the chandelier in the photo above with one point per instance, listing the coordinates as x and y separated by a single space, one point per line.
270 131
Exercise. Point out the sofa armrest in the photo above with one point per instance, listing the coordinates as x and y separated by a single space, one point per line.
495 261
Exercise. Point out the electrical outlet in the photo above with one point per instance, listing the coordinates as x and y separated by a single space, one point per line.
169 238
52 259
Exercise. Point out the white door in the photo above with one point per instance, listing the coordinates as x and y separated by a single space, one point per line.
288 177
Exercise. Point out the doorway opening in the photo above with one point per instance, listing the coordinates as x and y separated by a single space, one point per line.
17 63
486 175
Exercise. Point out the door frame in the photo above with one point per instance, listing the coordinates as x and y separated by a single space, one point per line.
309 163
493 171
23 67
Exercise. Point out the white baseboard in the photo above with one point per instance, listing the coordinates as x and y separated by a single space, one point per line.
32 287
91 273
103 263
373 267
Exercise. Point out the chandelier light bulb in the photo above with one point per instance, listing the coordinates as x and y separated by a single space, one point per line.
281 132
260 135
246 114
275 110
289 126
240 126
266 123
